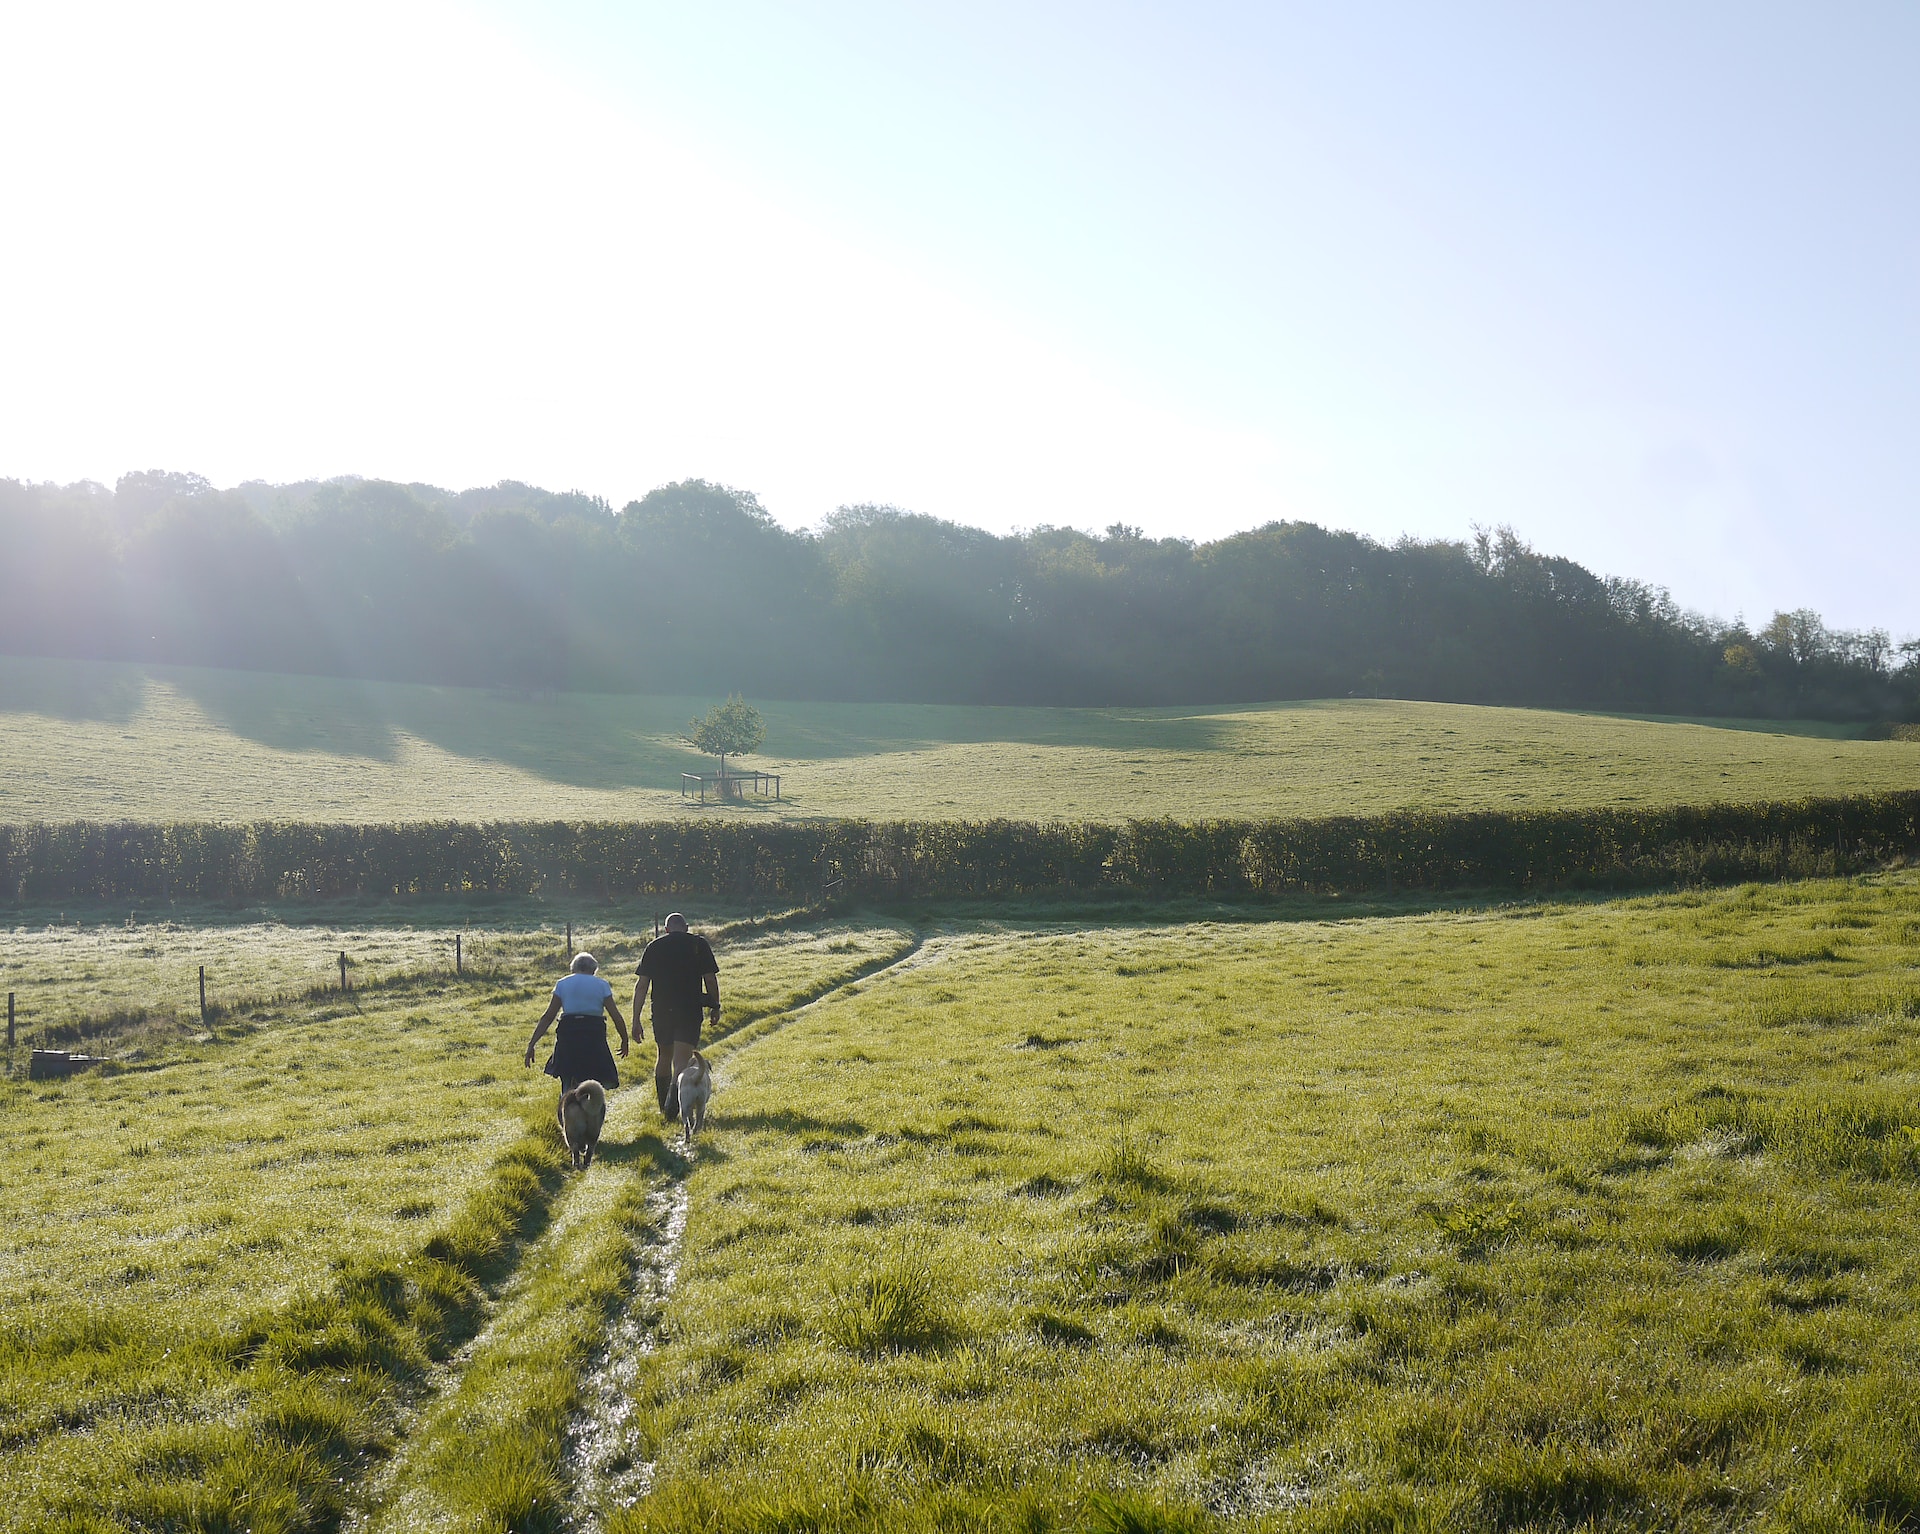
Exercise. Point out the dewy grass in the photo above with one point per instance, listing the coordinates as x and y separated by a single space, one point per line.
1512 1219
491 1451
311 1387
223 1272
893 1304
79 740
126 983
1549 1215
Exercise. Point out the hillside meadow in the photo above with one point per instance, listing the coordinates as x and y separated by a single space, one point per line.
103 741
1532 1215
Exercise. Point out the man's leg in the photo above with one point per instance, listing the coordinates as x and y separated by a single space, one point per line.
666 1075
663 1074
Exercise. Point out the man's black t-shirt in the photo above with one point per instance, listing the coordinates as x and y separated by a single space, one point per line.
674 966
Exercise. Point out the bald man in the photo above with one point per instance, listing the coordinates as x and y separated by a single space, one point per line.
679 968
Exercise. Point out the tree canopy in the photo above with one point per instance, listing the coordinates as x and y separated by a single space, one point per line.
733 728
515 586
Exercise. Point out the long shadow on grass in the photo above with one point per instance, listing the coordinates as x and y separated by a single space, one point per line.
791 1121
563 738
660 1151
79 690
648 1149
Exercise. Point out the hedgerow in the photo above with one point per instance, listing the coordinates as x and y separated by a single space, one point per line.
1410 850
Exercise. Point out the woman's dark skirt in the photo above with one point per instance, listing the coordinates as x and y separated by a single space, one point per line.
580 1052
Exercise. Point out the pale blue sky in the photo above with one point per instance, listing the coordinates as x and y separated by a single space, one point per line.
1643 280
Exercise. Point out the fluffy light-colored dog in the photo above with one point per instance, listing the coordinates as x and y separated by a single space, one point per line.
695 1085
583 1114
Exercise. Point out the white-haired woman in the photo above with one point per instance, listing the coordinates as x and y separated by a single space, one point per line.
580 1001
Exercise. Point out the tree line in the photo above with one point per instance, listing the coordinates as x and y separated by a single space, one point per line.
694 588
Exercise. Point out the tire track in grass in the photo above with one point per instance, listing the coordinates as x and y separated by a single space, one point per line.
495 1439
486 1450
608 1468
604 1471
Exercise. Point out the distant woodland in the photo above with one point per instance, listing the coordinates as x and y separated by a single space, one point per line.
694 588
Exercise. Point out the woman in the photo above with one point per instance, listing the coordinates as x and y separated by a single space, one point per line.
580 1050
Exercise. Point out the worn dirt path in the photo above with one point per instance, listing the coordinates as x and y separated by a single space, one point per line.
605 1470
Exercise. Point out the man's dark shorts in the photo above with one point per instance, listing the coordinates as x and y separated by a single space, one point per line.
677 1030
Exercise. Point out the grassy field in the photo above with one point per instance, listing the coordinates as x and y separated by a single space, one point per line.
1593 1214
224 1270
84 740
133 979
1598 1216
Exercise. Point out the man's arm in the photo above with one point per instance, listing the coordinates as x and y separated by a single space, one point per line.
639 1001
619 1022
712 983
553 1011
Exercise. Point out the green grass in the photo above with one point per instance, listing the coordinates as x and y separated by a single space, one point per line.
1595 1215
226 1268
491 1450
126 983
260 1422
1546 1215
100 741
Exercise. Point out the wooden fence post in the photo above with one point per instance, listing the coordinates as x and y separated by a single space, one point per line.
203 993
569 942
343 969
456 953
9 1019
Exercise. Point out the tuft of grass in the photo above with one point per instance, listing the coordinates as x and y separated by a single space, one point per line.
1719 1238
1475 1229
896 1304
1557 1485
1831 1128
511 1483
1126 1165
1139 1515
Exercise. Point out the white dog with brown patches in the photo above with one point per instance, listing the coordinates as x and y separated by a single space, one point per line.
695 1086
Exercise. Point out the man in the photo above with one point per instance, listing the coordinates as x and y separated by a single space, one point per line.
580 1001
678 967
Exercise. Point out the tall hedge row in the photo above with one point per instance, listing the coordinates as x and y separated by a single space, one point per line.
1525 849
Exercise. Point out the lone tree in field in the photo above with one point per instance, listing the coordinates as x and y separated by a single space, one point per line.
733 728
